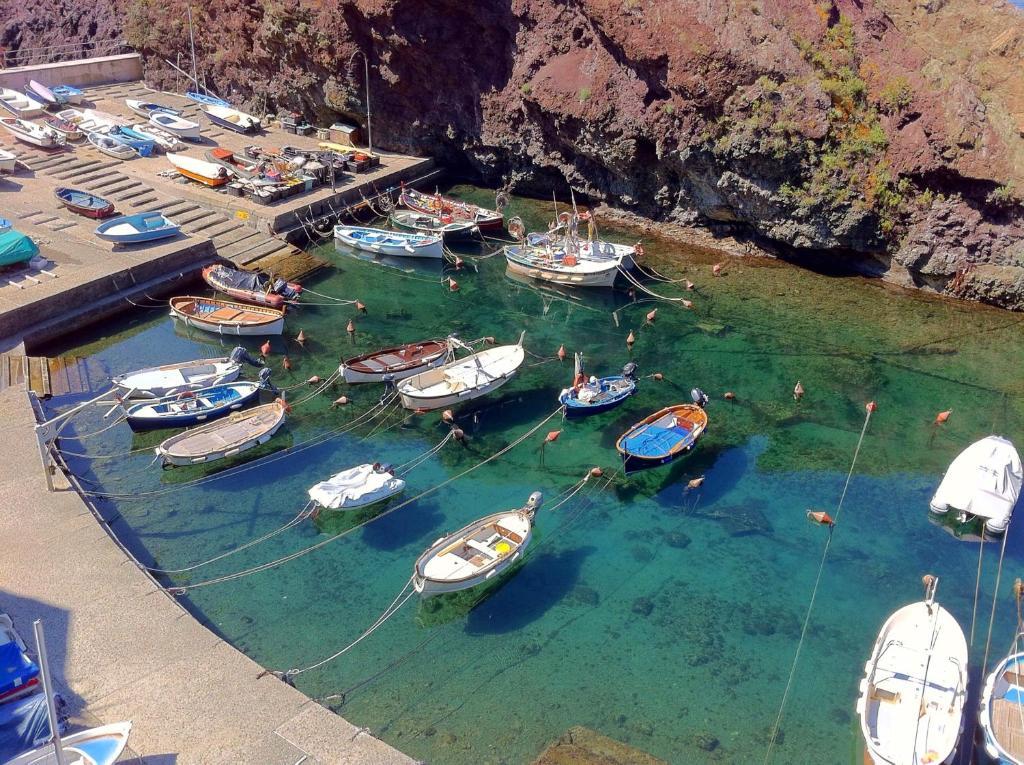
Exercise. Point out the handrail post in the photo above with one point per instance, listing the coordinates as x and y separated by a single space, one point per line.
51 706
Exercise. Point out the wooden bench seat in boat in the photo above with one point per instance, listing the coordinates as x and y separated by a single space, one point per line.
1008 726
482 548
225 314
509 535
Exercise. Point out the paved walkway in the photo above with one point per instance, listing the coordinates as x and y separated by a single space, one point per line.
122 649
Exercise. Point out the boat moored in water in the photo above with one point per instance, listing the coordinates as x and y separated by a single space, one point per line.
395 243
662 437
170 379
438 225
1001 707
476 553
396 363
911 702
357 487
596 395
984 481
194 407
225 437
435 204
224 317
560 267
250 286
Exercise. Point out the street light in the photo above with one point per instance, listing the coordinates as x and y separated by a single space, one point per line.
366 74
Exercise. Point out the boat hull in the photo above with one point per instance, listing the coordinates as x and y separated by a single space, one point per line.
393 372
433 249
157 382
428 403
245 129
575 408
83 203
272 325
139 420
998 718
603 278
662 437
355 377
169 455
132 229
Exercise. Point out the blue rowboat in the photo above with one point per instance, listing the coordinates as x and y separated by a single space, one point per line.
193 407
84 203
68 94
595 395
141 227
144 145
203 98
662 437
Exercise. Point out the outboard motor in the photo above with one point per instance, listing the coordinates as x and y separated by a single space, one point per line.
534 503
629 371
263 378
239 354
285 289
700 398
384 467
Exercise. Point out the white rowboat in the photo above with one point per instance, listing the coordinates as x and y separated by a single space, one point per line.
169 379
7 161
984 481
225 317
95 746
175 125
395 243
19 104
226 437
30 132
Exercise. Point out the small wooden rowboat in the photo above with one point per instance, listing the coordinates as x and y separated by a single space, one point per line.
70 130
111 146
141 227
84 203
476 553
207 173
232 119
30 132
19 104
224 317
662 437
597 395
435 204
156 382
225 437
176 125
443 225
251 287
396 363
193 407
394 243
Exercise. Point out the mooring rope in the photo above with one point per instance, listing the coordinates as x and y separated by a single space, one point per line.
118 421
632 280
977 584
814 591
312 548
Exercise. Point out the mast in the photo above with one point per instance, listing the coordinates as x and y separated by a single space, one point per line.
192 43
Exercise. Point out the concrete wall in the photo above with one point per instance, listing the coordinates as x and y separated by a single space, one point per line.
82 73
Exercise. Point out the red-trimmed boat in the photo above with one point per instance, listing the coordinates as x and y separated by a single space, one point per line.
84 203
251 287
398 363
435 204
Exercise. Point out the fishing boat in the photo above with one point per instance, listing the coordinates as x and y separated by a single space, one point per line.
232 119
596 395
145 108
207 173
225 437
463 379
564 236
112 146
105 118
911 703
95 746
43 94
19 104
251 287
357 487
438 225
476 553
1001 707
984 481
205 99
144 145
394 243
16 247
233 164
84 203
69 130
7 161
396 363
435 204
194 407
176 125
560 267
163 139
31 133
170 379
68 94
224 317
85 124
662 437
141 227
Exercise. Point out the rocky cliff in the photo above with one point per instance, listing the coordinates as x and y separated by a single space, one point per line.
878 134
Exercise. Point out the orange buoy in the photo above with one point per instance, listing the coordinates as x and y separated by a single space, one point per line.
689 284
871 406
798 391
596 472
651 315
453 285
340 401
552 436
658 376
459 434
287 363
630 338
314 380
820 516
729 396
716 269
458 262
284 405
695 483
687 303
265 349
301 338
448 416
360 306
561 353
941 417
351 328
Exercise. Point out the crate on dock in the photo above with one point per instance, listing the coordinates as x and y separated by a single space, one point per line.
344 134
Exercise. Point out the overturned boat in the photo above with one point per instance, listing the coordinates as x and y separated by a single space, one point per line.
476 553
984 482
171 379
357 487
225 437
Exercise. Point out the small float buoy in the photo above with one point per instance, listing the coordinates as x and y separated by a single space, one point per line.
458 434
552 436
689 284
651 316
340 401
696 483
871 407
265 349
283 404
596 472
458 262
798 391
632 293
687 303
287 363
630 339
729 396
448 416
820 516
351 328
420 411
360 306
490 340
314 380
941 417
716 269
453 286
561 353
658 376
301 338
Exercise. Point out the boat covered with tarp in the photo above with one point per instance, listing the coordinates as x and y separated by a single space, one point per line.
984 481
16 247
357 487
662 437
251 286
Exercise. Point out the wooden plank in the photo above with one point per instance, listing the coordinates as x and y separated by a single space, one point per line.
44 372
35 375
17 370
5 371
58 376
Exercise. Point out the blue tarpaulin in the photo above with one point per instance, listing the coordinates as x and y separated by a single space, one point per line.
16 669
24 724
16 247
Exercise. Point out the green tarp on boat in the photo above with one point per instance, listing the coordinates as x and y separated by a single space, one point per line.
16 247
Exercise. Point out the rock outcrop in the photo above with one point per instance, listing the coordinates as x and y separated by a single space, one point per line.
884 134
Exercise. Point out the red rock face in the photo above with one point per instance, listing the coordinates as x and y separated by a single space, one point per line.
841 128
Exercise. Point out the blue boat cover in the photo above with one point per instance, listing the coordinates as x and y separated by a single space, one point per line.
655 441
16 668
16 247
25 724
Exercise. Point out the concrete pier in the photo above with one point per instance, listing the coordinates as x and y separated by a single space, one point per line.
123 649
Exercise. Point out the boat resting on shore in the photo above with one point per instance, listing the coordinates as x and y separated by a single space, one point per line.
225 437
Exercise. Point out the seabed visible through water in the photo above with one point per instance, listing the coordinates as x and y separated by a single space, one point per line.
663 617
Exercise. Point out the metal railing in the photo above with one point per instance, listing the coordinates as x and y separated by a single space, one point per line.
51 54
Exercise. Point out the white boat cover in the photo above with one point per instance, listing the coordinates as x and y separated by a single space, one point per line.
984 480
356 487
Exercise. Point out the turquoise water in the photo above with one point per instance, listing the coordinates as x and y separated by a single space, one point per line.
660 616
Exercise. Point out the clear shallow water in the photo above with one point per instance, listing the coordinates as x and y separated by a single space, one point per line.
661 617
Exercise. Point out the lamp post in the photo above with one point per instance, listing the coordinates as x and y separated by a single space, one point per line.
366 85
